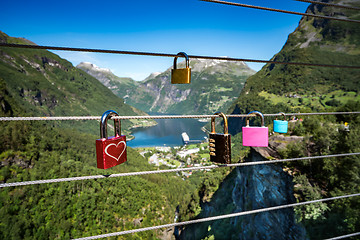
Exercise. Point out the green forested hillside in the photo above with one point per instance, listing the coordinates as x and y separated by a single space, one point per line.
286 88
327 177
120 86
82 208
40 83
253 187
278 87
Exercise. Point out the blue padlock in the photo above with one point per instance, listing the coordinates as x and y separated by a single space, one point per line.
281 126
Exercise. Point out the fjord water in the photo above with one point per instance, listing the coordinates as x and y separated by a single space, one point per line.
167 133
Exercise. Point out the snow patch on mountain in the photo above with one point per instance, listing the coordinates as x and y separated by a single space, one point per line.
94 67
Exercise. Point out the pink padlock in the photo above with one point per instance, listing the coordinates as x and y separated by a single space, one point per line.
255 136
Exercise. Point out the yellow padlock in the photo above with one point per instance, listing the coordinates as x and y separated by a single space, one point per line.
182 75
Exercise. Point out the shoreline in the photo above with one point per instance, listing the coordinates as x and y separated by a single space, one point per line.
145 124
154 138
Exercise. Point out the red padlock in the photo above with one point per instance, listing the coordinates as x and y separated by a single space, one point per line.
110 151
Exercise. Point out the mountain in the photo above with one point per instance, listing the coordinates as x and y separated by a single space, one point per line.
290 88
245 189
214 86
40 83
278 87
119 86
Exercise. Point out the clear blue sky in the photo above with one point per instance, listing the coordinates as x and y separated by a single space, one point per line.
167 26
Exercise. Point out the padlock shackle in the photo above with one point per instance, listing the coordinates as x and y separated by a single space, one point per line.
185 56
283 115
103 123
258 114
226 130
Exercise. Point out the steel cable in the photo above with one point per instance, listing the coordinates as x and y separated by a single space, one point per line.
76 118
25 183
217 217
173 55
281 11
344 236
192 116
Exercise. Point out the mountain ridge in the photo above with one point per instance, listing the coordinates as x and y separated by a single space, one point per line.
40 83
324 41
224 81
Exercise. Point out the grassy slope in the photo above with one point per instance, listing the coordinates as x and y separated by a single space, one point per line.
82 208
272 90
333 42
42 150
120 86
43 84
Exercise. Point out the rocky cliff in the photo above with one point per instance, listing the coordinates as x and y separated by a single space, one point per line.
248 188
119 86
278 87
39 83
214 86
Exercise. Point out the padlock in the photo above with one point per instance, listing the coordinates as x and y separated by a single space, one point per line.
220 144
281 126
181 75
110 151
255 136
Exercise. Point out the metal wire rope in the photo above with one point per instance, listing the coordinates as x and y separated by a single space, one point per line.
76 118
172 55
281 11
344 236
202 116
329 4
217 217
16 184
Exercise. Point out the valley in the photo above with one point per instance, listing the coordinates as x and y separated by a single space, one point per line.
40 83
215 85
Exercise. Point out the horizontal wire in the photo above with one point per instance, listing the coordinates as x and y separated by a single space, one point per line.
194 116
329 4
344 236
16 184
231 215
164 116
281 11
172 55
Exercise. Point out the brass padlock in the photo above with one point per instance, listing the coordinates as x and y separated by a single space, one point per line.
220 144
181 75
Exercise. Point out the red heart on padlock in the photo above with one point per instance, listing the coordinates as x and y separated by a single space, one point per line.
113 150
110 151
